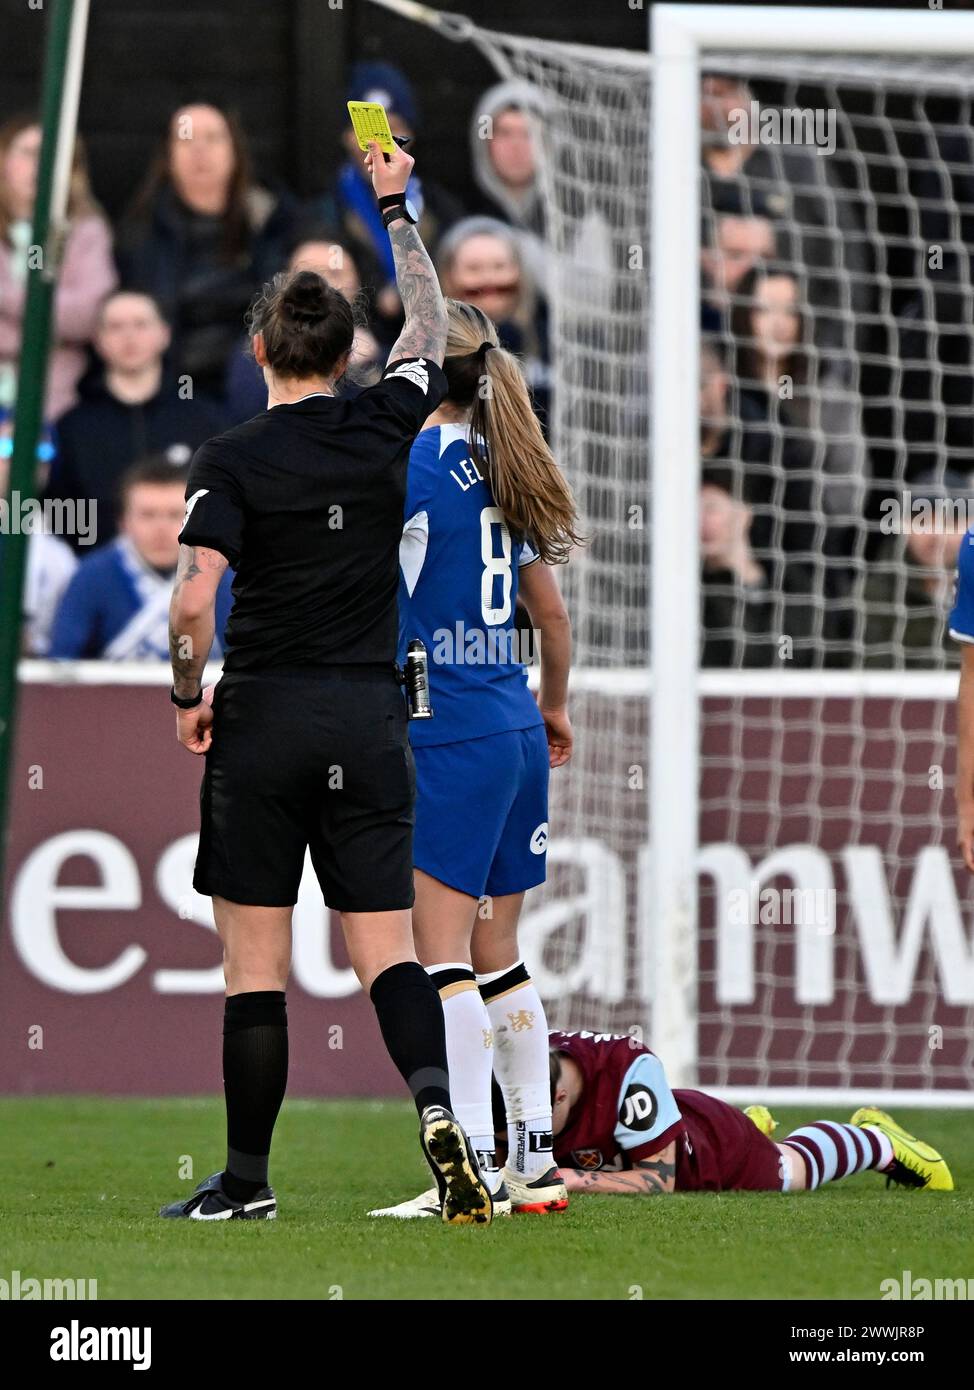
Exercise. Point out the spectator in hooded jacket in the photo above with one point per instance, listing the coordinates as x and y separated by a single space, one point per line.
504 159
507 149
132 408
202 237
87 270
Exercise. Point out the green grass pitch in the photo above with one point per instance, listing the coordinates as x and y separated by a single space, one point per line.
84 1177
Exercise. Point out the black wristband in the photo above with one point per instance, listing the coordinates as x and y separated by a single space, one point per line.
191 703
404 210
389 200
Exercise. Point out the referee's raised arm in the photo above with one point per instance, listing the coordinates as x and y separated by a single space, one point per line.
425 329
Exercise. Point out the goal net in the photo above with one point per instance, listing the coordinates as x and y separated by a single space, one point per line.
828 944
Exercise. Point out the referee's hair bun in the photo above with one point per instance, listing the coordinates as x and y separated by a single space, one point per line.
307 326
307 298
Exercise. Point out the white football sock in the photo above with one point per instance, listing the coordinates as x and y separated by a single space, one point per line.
470 1055
521 1064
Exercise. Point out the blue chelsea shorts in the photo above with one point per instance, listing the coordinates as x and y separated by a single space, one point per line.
482 812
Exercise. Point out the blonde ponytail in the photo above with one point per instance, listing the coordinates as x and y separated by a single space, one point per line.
527 483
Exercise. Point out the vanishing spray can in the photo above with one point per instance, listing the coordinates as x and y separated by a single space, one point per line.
418 681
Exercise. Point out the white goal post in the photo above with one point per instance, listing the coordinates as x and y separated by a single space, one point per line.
681 37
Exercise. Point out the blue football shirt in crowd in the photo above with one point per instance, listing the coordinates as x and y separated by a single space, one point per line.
117 607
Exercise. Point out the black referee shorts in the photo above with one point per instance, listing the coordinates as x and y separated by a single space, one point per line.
313 758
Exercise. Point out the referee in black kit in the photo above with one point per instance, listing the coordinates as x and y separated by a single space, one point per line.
306 741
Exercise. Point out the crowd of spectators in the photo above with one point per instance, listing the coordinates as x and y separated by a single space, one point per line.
828 389
798 446
149 349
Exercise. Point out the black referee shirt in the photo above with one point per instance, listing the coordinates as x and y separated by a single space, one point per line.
306 502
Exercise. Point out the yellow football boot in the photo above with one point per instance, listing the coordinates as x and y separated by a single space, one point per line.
761 1116
915 1164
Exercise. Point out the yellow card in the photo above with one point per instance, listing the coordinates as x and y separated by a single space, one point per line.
370 122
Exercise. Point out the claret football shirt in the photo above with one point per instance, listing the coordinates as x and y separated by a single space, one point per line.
627 1113
306 503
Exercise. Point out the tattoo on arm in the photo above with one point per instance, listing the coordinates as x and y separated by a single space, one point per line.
651 1177
187 669
656 1173
186 568
191 624
193 560
424 332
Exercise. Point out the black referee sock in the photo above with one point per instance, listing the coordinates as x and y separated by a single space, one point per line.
410 1015
254 1081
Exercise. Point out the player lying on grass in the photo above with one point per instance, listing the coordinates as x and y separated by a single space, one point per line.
618 1128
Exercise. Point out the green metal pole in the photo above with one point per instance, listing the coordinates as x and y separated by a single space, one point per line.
59 114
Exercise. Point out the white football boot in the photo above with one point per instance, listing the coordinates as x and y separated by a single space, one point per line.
428 1203
545 1193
